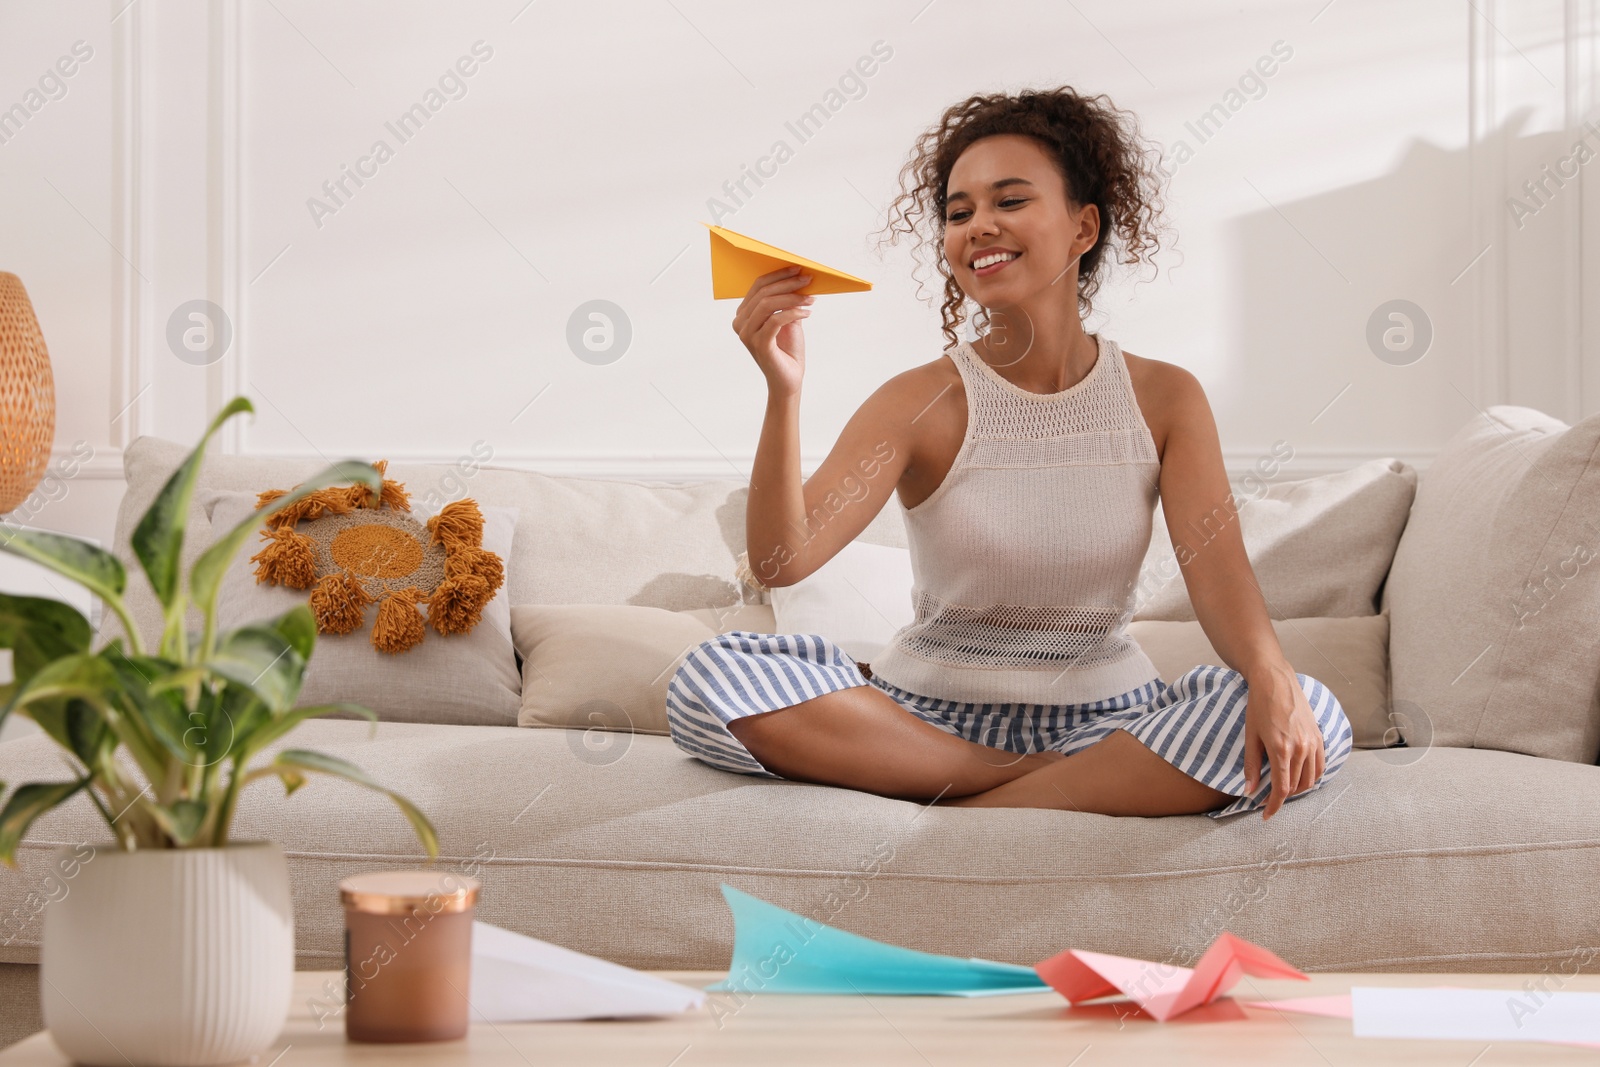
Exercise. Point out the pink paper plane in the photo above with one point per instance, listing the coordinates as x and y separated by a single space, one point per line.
1162 990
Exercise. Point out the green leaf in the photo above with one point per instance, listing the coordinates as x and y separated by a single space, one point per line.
221 725
302 760
292 780
50 713
93 568
179 679
261 660
158 539
50 691
245 715
158 709
188 815
38 630
27 804
298 626
205 577
181 821
91 739
75 674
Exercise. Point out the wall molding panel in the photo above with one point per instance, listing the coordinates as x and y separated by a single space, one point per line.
130 394
182 224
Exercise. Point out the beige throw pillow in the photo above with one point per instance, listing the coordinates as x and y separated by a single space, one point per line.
757 618
1350 656
1494 596
1319 546
602 666
463 679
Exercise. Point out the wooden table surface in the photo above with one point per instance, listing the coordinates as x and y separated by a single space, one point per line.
775 1030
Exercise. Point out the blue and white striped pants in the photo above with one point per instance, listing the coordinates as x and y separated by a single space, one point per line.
1196 723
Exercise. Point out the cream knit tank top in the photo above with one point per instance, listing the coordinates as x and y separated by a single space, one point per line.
1026 557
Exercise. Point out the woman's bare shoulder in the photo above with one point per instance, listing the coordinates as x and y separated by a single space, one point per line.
924 410
928 380
1162 389
910 393
1165 382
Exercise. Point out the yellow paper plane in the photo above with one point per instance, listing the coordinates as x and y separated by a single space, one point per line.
737 261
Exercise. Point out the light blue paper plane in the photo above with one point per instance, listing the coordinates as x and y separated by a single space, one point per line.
779 951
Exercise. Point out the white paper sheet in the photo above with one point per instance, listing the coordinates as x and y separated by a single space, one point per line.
516 978
1476 1014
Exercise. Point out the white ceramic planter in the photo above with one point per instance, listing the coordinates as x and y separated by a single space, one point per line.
181 957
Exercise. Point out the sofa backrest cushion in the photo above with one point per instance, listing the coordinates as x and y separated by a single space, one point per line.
1494 595
1320 547
578 540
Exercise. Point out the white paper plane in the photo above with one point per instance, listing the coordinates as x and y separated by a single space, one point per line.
516 978
1476 1014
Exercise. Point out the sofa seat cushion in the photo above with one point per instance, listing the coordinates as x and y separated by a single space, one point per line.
1411 860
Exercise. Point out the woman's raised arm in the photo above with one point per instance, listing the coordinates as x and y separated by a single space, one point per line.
791 528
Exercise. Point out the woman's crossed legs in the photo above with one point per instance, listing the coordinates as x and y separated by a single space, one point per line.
860 738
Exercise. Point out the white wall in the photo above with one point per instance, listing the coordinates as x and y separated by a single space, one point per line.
430 310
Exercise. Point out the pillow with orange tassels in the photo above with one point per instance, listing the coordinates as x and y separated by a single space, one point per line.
353 547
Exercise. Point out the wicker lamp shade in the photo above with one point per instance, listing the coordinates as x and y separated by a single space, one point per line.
27 396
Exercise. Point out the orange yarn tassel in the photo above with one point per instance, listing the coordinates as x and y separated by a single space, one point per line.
399 623
287 559
325 501
458 523
311 506
267 496
457 603
394 496
390 492
339 602
465 559
354 495
360 495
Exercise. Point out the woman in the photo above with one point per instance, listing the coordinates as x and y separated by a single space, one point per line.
1027 463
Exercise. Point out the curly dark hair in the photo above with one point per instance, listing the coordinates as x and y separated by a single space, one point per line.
1097 147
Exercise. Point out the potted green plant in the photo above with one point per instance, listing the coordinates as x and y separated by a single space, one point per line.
176 944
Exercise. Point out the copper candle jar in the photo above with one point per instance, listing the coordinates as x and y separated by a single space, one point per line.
407 955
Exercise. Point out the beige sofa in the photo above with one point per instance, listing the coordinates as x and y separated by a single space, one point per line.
1414 858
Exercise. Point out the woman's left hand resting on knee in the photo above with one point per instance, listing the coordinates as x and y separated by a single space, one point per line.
1279 722
1222 586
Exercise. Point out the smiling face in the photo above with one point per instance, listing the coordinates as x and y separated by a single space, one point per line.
1011 235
